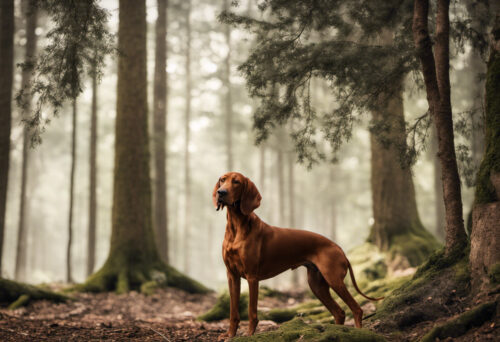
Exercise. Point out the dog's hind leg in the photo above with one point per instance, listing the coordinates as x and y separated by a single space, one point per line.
321 290
334 272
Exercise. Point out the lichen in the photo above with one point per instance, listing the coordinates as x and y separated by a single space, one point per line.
460 325
297 329
222 307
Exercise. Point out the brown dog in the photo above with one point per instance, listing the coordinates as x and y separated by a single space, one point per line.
254 250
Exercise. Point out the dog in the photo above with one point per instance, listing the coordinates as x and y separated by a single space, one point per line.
254 250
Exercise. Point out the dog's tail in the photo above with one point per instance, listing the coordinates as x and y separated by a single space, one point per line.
356 285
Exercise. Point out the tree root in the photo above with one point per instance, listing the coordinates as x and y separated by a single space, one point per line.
20 294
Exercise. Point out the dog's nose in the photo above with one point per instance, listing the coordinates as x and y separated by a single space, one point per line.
222 192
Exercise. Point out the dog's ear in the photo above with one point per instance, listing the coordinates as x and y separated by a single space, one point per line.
250 198
214 194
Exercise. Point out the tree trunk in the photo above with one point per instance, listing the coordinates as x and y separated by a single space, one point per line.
133 257
160 131
485 236
30 13
281 186
69 275
333 205
6 70
262 167
92 180
438 188
291 204
435 68
397 227
228 100
187 176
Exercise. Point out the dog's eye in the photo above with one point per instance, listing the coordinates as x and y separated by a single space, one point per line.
222 180
235 181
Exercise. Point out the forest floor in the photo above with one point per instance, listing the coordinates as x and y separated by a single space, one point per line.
167 315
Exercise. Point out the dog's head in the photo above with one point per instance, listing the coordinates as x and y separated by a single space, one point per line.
235 190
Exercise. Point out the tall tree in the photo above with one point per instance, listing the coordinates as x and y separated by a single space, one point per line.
187 138
308 40
6 70
133 256
69 273
160 131
438 188
435 67
30 13
228 101
91 239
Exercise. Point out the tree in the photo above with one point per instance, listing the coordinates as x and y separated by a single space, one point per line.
6 70
92 176
133 257
187 119
30 13
364 54
69 274
228 103
160 131
435 68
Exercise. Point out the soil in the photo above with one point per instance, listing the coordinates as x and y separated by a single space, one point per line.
168 315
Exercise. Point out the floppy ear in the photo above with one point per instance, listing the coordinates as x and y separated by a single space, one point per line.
250 198
214 194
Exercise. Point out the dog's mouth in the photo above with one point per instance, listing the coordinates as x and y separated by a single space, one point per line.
221 204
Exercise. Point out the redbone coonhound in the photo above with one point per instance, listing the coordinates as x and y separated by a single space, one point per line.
254 250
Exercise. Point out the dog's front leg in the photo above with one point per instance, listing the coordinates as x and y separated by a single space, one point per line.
253 287
234 312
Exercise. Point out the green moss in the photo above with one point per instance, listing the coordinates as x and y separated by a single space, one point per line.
149 288
297 329
278 315
221 308
21 301
114 276
460 325
485 192
494 273
265 291
21 294
454 267
417 245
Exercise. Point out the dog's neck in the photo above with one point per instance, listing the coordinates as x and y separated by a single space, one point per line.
237 222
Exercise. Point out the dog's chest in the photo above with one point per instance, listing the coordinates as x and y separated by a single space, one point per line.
233 253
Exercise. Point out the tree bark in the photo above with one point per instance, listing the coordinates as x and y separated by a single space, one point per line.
160 131
69 275
6 70
187 170
228 102
438 188
133 257
30 13
435 68
92 180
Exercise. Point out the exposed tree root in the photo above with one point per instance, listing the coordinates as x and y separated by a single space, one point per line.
19 294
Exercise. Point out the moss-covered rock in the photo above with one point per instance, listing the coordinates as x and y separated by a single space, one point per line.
266 291
297 329
278 315
460 325
19 294
221 308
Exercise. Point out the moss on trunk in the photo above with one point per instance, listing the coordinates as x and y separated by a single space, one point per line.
485 191
19 294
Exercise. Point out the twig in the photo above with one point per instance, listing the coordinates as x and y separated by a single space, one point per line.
159 333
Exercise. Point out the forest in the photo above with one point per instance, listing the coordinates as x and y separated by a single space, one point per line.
152 151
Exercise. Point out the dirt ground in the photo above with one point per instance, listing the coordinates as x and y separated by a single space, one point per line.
168 315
